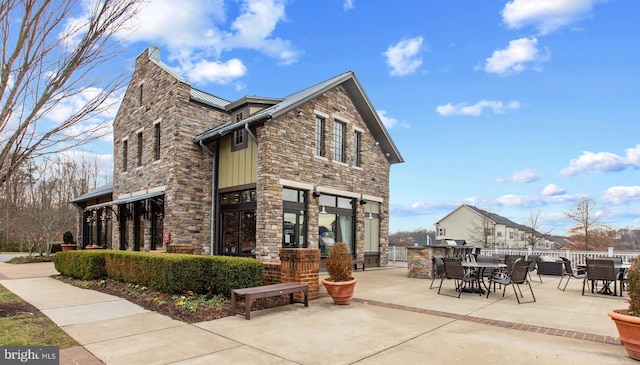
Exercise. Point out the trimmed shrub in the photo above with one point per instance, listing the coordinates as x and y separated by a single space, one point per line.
235 273
86 265
171 273
339 263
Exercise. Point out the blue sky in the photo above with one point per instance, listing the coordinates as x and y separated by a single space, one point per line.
512 106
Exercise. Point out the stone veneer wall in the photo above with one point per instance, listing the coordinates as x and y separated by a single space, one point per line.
419 260
295 160
184 169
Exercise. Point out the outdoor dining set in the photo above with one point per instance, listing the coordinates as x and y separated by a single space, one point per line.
475 273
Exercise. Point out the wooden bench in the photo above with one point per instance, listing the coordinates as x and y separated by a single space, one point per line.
358 264
265 291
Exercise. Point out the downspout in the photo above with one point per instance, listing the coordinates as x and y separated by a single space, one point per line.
246 128
213 196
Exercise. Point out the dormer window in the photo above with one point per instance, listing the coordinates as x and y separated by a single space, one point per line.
239 140
239 116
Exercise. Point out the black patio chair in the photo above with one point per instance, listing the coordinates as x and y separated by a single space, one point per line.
533 266
569 272
601 270
510 260
438 269
461 277
515 278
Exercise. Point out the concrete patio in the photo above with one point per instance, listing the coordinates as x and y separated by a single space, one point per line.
392 320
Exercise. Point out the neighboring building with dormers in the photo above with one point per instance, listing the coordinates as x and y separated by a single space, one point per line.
245 177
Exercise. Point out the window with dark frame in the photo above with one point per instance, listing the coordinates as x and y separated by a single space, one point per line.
156 144
125 148
239 140
357 149
336 222
139 149
237 223
339 129
294 220
320 122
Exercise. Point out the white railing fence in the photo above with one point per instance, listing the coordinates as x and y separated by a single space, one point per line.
397 253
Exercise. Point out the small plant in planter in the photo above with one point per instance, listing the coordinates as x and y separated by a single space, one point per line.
340 284
628 320
67 241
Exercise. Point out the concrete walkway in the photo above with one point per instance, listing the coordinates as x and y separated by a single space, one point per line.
392 320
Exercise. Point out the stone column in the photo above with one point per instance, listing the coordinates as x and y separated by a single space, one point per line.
419 261
302 266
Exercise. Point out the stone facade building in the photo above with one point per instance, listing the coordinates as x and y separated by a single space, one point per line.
246 177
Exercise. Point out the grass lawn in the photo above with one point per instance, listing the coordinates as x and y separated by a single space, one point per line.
21 324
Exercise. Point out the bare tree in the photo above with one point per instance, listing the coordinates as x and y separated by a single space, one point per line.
586 219
40 196
532 235
483 232
51 56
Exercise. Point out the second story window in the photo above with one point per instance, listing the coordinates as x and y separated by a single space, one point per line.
357 149
320 122
125 148
140 149
239 116
339 130
239 140
156 141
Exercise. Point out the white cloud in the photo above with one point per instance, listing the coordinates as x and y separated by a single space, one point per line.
255 25
524 176
498 107
403 58
217 72
552 189
181 26
194 30
621 194
348 4
516 57
602 162
516 200
387 121
546 15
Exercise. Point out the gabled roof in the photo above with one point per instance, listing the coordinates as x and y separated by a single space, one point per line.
349 81
495 218
95 193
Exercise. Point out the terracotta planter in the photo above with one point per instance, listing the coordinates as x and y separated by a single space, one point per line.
68 247
629 332
340 291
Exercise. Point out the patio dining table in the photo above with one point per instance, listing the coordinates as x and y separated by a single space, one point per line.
606 288
481 267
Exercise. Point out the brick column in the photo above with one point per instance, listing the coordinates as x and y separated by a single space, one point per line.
302 266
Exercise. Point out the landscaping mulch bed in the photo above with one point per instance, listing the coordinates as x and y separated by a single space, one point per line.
187 307
9 309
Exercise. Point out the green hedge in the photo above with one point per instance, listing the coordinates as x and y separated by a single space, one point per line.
87 265
171 273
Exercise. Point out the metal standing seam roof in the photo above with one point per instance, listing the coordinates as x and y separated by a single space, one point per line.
208 99
288 103
195 94
97 192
